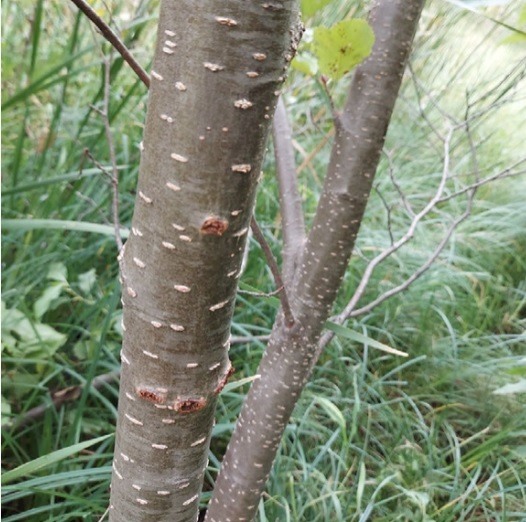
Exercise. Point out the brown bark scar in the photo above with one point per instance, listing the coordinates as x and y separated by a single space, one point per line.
189 405
151 395
214 226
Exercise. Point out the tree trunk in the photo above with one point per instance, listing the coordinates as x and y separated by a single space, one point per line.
292 352
214 86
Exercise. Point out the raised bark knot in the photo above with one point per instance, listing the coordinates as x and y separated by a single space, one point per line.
214 226
188 404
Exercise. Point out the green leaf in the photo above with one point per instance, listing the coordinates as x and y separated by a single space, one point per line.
305 63
47 460
31 339
363 339
58 272
343 46
510 389
87 280
43 303
309 7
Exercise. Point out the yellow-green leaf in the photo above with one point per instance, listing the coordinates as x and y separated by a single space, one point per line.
342 47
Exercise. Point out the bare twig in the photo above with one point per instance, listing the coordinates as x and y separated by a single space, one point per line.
248 339
404 239
289 197
335 115
104 514
503 174
351 311
469 134
415 275
97 163
261 294
114 40
396 185
258 234
113 160
388 210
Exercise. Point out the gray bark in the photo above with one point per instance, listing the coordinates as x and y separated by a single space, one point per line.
215 82
292 352
293 225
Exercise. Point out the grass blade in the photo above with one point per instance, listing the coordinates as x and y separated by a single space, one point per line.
47 460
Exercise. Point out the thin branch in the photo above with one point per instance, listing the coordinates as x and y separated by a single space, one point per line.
351 311
104 514
308 157
396 185
258 234
388 210
404 239
113 160
260 294
503 174
248 339
114 40
423 268
335 114
289 197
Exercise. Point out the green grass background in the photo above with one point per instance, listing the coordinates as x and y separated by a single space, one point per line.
374 436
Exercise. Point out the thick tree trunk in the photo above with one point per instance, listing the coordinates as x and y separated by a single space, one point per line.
215 82
292 352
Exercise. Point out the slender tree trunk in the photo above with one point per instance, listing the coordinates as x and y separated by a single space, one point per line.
292 352
215 82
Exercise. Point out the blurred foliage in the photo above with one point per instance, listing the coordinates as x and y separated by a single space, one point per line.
439 435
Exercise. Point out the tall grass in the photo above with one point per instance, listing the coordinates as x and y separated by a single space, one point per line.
374 437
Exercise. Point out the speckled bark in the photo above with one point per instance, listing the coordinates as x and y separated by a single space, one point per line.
214 86
291 353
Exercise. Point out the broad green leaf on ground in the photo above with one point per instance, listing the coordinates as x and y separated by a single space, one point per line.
309 7
47 460
58 272
87 280
23 337
343 46
44 302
